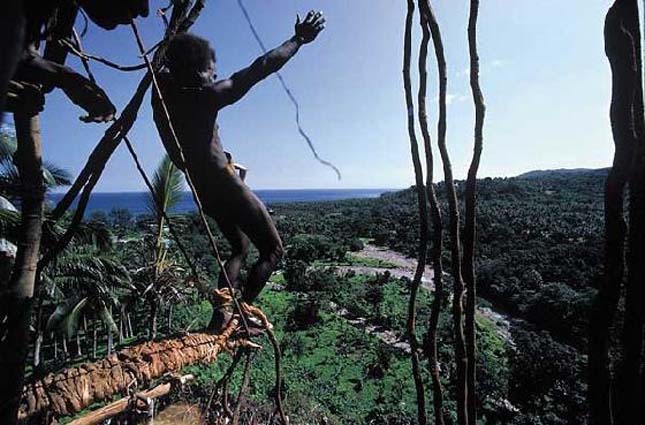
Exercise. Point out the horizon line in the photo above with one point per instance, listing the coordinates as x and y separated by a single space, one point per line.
58 192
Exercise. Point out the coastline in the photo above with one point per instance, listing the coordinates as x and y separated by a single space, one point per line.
136 202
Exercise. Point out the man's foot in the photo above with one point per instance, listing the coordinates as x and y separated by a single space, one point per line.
220 320
255 326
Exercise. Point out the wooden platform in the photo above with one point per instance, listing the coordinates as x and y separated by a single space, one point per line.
73 389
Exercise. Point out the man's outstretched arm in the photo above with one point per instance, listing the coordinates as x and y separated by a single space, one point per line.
232 89
80 90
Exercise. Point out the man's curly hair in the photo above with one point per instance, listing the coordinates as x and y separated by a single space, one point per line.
188 55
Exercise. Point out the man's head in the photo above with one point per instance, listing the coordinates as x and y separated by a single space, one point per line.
190 59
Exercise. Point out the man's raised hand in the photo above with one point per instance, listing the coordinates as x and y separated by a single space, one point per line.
95 102
308 30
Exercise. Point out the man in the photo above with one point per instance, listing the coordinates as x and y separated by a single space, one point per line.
194 98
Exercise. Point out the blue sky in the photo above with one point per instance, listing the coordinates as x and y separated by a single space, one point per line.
544 75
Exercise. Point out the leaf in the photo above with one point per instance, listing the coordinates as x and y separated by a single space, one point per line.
168 186
107 318
55 175
48 178
7 146
70 324
57 316
9 224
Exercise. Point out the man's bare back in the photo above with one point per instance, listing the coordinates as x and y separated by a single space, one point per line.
194 98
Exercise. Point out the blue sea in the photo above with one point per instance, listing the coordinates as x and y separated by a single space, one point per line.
136 201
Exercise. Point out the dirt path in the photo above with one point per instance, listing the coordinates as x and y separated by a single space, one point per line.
405 267
386 335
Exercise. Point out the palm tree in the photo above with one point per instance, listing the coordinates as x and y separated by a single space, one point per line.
157 281
94 234
53 175
85 282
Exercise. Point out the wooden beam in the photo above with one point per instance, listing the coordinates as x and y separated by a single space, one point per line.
120 406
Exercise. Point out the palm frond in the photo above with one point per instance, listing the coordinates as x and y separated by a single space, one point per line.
56 176
9 180
107 318
70 324
9 224
168 186
93 234
7 146
66 316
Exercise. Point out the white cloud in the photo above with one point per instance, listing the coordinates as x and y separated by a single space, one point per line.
485 67
452 98
498 63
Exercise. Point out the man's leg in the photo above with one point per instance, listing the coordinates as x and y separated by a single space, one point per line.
255 221
239 250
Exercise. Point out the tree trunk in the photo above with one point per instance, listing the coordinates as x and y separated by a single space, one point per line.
630 376
76 388
110 340
470 230
79 351
453 210
37 349
121 327
17 303
170 319
423 219
129 325
39 335
152 327
619 46
94 339
430 345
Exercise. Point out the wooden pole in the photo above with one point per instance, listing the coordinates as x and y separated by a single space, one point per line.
619 47
121 405
630 377
430 346
461 359
423 219
470 229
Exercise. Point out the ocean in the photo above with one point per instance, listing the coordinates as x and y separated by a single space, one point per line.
136 202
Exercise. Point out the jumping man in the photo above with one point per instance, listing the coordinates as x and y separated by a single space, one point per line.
194 98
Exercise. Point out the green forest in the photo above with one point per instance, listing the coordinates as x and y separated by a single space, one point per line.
537 267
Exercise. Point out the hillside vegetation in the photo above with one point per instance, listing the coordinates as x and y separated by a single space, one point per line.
343 334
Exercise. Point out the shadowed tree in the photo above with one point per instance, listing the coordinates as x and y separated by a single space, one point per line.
619 400
630 375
